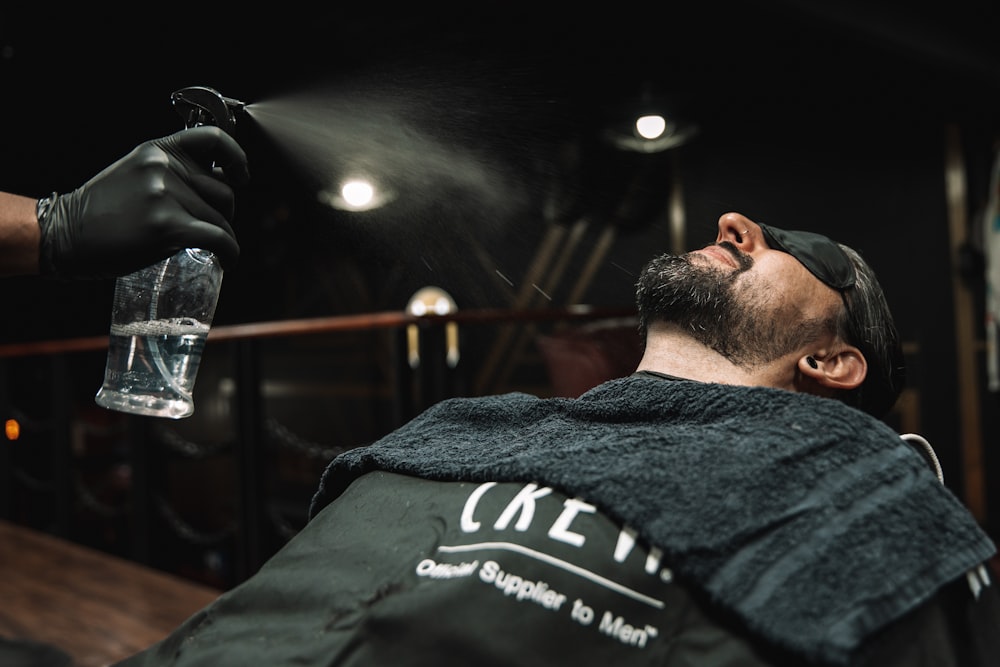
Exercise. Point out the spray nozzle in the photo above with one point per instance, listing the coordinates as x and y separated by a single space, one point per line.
199 105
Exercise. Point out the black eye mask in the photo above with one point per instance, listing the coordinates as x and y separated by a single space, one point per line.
820 255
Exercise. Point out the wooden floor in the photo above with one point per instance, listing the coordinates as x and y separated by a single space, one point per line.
96 607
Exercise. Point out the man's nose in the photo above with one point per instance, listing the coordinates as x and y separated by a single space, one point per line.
739 230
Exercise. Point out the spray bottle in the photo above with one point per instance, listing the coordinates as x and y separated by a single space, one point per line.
161 315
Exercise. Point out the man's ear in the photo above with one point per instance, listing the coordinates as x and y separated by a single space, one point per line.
843 369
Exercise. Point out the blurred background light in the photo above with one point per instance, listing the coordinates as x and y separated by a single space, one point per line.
651 126
355 194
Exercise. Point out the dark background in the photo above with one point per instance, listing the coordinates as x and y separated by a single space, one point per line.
489 120
809 117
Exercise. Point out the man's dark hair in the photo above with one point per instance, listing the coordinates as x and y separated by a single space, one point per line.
867 323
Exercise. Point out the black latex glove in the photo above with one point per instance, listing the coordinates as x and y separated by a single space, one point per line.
167 194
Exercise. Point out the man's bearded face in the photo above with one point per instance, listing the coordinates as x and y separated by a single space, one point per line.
730 310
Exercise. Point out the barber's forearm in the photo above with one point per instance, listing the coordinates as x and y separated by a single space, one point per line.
19 235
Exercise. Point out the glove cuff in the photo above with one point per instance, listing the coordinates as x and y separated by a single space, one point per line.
47 245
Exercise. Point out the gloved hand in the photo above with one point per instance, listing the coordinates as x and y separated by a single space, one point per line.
167 194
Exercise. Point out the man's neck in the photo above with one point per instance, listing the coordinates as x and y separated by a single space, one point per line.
671 351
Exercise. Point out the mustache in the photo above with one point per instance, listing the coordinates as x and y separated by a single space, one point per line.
743 260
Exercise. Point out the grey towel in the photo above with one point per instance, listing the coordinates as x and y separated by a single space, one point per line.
811 521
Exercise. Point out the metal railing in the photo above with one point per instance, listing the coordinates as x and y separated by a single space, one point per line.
250 394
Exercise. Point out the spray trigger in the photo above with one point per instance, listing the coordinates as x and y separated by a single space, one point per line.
200 105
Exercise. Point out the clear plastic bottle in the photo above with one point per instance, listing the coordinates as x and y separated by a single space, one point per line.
160 319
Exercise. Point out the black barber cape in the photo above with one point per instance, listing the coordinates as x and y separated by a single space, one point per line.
811 523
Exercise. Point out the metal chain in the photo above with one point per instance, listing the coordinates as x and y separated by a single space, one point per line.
185 447
282 525
90 501
278 434
187 532
33 483
283 437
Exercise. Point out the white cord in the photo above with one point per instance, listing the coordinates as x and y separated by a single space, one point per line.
978 577
920 442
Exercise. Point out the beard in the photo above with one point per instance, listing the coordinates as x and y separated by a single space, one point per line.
738 319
